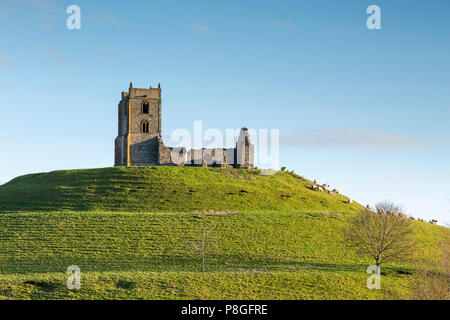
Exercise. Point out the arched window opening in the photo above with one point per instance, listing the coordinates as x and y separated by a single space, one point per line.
145 107
145 128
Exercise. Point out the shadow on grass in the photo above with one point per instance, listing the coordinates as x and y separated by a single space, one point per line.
43 286
162 263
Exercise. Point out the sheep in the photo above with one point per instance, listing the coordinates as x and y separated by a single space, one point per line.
331 193
391 213
325 186
317 188
369 207
381 211
283 168
336 191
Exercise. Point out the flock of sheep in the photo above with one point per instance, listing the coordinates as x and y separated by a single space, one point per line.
325 188
399 214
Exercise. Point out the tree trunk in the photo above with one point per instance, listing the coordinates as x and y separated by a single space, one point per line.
378 271
203 251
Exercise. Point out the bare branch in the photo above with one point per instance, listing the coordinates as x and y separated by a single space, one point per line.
384 235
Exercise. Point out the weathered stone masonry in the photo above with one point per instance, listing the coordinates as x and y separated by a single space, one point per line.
139 141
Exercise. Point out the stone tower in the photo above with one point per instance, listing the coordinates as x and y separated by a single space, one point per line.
139 139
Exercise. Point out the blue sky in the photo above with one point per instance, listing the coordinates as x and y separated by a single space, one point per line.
366 111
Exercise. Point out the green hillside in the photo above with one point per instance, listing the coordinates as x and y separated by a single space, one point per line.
164 189
134 234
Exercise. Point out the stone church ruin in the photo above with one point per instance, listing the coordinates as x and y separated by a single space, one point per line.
139 141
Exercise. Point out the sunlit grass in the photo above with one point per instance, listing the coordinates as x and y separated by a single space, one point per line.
134 234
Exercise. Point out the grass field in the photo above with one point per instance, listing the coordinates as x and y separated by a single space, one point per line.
134 234
164 189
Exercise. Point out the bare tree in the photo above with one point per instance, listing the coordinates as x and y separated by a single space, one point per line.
202 244
384 236
203 249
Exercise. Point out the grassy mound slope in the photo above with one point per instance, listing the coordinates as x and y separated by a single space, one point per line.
133 233
164 189
263 255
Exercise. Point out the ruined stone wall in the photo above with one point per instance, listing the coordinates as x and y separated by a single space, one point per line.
216 157
164 153
231 156
240 157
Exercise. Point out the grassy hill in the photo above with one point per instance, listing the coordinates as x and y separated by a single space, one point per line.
164 189
134 234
